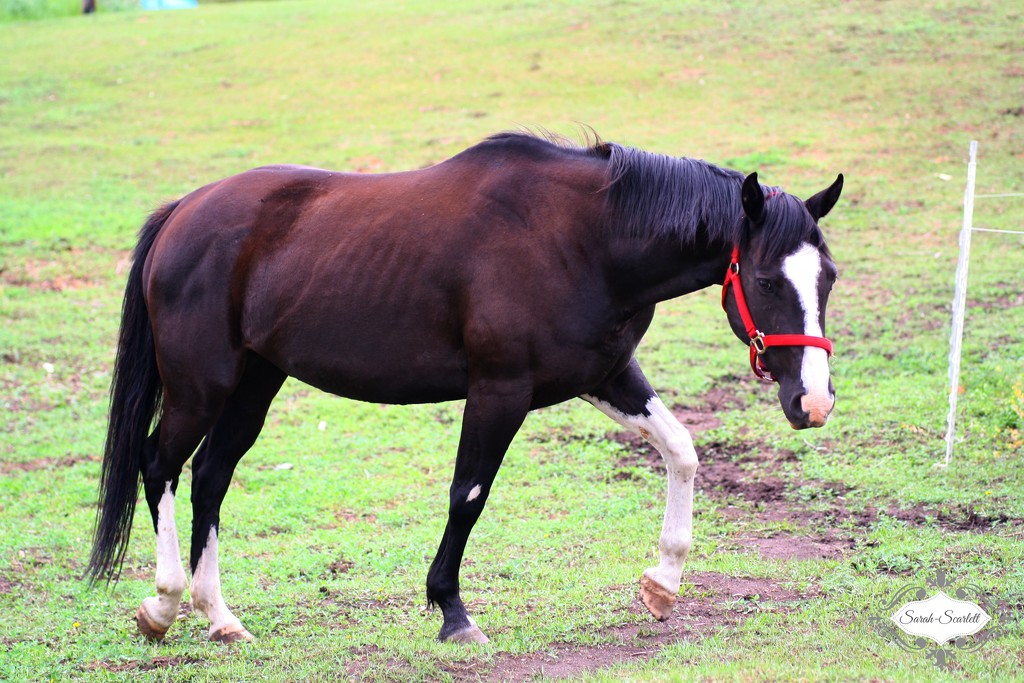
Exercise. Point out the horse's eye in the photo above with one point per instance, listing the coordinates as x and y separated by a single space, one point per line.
766 285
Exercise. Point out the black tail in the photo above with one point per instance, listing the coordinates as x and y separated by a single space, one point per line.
135 394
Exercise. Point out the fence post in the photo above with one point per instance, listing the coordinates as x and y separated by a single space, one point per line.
956 334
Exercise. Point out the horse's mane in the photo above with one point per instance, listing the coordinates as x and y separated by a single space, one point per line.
656 196
659 196
696 202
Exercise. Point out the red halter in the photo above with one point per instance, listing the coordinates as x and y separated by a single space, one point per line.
758 340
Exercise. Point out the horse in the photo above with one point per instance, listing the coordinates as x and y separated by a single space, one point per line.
520 273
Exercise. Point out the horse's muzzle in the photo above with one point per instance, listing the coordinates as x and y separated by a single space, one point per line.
811 410
817 408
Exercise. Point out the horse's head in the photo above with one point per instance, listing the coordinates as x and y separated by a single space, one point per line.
781 277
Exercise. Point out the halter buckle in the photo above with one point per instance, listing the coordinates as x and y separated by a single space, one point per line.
735 267
757 343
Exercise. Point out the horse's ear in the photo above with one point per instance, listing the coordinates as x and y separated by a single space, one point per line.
752 197
820 204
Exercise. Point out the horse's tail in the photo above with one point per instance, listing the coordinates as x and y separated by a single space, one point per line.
135 394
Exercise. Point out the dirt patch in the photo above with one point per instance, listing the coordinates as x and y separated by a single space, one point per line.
707 603
273 530
724 396
998 303
59 283
339 566
923 318
697 417
911 206
702 415
346 609
161 662
139 572
865 286
51 275
347 516
45 464
745 470
720 476
789 547
696 420
362 658
755 482
957 518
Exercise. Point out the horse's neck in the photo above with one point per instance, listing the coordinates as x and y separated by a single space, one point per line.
655 270
679 240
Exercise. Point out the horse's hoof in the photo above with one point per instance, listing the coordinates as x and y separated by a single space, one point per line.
231 634
658 600
147 627
470 634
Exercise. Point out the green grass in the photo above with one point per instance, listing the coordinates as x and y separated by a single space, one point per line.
22 10
25 10
102 118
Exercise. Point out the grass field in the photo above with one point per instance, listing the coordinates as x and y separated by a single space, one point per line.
327 534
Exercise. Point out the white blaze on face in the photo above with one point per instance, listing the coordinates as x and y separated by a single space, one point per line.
803 270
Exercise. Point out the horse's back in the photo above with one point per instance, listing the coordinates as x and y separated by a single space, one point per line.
367 285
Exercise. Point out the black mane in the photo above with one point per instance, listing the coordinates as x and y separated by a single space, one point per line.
656 196
698 203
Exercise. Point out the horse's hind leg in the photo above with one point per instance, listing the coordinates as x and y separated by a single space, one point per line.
232 435
167 449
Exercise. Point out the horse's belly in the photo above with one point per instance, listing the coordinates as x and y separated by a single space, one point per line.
382 361
413 387
398 382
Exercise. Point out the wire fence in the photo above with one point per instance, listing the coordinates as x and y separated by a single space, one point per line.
956 335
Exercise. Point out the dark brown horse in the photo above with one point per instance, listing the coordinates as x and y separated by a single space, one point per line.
516 275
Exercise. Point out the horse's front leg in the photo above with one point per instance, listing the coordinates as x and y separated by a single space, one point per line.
629 400
494 413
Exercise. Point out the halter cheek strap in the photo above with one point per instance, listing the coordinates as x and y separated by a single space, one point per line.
760 341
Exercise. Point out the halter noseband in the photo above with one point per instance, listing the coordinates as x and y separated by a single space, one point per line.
760 341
